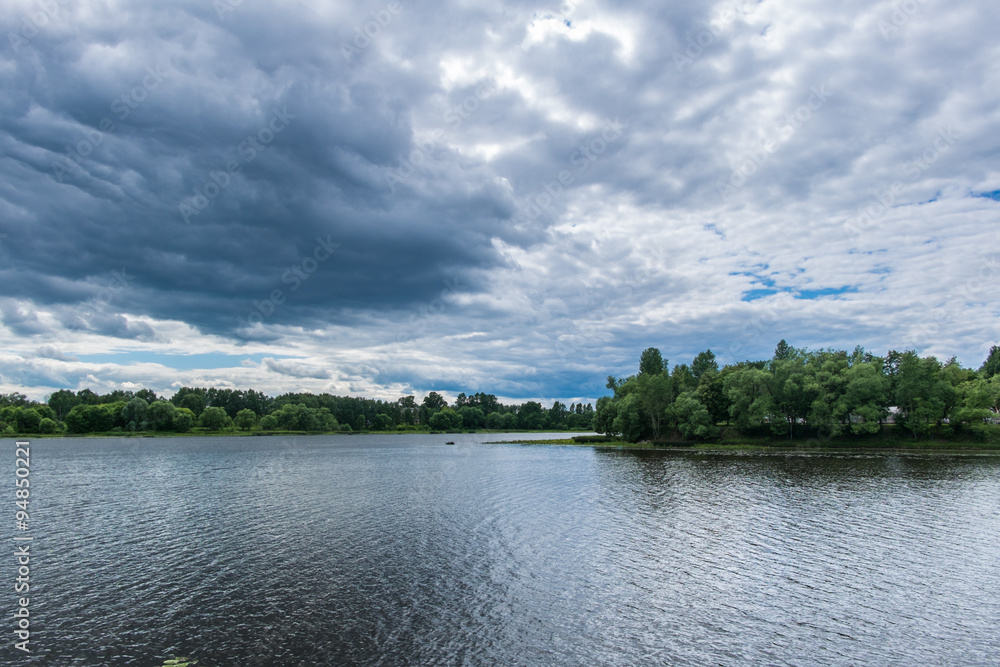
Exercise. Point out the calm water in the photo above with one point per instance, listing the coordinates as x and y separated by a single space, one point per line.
371 550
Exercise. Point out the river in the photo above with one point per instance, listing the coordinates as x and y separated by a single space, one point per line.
402 550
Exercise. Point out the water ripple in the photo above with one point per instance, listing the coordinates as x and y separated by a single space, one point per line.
399 550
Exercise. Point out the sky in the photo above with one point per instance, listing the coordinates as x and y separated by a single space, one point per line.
389 198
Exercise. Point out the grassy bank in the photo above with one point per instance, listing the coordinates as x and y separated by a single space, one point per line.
891 442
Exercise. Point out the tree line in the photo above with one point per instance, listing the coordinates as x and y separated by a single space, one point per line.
799 393
192 409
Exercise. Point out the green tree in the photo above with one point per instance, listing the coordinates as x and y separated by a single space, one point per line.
193 401
446 419
557 415
864 405
213 419
88 397
14 399
748 392
982 394
783 351
604 418
184 420
434 401
494 420
655 394
922 394
76 421
245 419
631 421
135 414
692 417
48 426
147 395
85 418
684 379
791 395
381 422
62 402
472 417
651 362
711 393
824 383
531 416
45 411
161 415
269 423
27 420
991 366
327 422
704 363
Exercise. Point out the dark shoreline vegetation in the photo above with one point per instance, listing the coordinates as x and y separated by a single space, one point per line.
824 399
880 444
213 411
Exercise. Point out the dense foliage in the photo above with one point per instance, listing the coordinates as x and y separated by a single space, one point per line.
797 393
802 394
212 409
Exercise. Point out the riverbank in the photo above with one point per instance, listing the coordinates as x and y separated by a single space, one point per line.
252 433
871 445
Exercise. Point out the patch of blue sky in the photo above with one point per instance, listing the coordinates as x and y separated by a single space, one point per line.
758 280
805 294
826 291
754 294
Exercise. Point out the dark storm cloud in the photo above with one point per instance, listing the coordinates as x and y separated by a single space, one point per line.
210 158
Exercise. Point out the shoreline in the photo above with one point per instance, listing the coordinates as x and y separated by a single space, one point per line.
240 434
587 440
929 447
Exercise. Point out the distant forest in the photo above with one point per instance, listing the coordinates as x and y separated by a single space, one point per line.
195 409
797 393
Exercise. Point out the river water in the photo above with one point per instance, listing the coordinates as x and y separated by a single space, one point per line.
401 550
